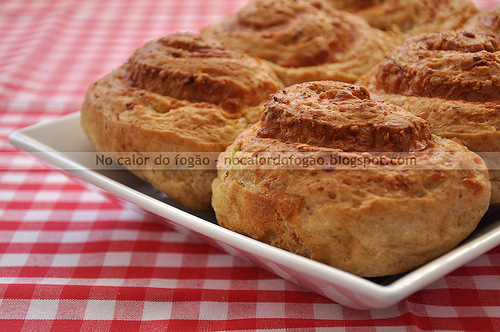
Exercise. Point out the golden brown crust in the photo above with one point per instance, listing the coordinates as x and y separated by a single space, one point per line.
372 221
451 80
410 17
448 65
184 66
341 117
485 22
303 40
179 93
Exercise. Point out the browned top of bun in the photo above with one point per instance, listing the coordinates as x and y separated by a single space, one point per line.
410 16
189 67
291 33
341 116
451 65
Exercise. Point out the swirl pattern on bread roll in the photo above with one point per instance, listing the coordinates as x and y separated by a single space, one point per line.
342 125
410 17
179 93
200 70
303 40
371 221
452 80
449 65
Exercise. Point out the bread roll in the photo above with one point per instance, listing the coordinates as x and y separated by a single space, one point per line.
452 80
410 17
303 40
179 93
370 219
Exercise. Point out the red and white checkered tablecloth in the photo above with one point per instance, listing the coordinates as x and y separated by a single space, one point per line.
72 260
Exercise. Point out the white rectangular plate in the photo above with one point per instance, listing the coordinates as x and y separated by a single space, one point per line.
63 144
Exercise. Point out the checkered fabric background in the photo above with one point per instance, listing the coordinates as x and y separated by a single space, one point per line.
72 260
